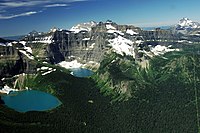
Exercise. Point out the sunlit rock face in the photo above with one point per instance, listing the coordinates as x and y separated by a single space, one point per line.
84 42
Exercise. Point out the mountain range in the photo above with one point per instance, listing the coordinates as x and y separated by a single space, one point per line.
144 80
88 42
187 24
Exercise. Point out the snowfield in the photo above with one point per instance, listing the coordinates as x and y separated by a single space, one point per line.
2 44
131 32
45 70
109 26
47 40
115 31
70 65
45 73
159 50
122 46
83 27
6 89
86 39
27 54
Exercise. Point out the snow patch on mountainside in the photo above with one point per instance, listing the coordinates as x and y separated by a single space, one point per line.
48 72
86 39
9 44
83 27
160 50
54 29
122 46
6 44
92 46
70 65
139 41
23 43
46 39
112 31
28 49
27 54
6 89
131 32
2 44
109 26
45 70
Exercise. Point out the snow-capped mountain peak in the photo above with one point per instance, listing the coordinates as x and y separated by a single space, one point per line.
83 27
54 29
186 23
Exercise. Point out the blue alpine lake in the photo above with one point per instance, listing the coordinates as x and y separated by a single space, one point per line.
30 100
81 72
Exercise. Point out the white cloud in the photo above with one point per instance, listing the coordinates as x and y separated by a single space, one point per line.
8 5
13 4
18 15
56 5
22 3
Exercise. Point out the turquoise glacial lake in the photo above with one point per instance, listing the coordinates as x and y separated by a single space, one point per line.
30 100
81 72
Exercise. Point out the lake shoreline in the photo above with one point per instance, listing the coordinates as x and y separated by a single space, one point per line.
35 101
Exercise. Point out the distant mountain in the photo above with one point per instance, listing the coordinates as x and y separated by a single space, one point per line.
35 33
14 37
187 24
89 41
83 27
3 40
153 28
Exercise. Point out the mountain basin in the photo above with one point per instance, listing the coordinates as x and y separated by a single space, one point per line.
81 72
30 100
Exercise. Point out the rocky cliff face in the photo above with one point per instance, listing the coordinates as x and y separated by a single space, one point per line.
12 61
90 45
83 45
159 35
88 42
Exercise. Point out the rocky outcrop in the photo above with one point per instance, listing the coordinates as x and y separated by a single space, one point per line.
159 34
13 62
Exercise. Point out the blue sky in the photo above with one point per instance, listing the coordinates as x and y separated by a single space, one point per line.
19 17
